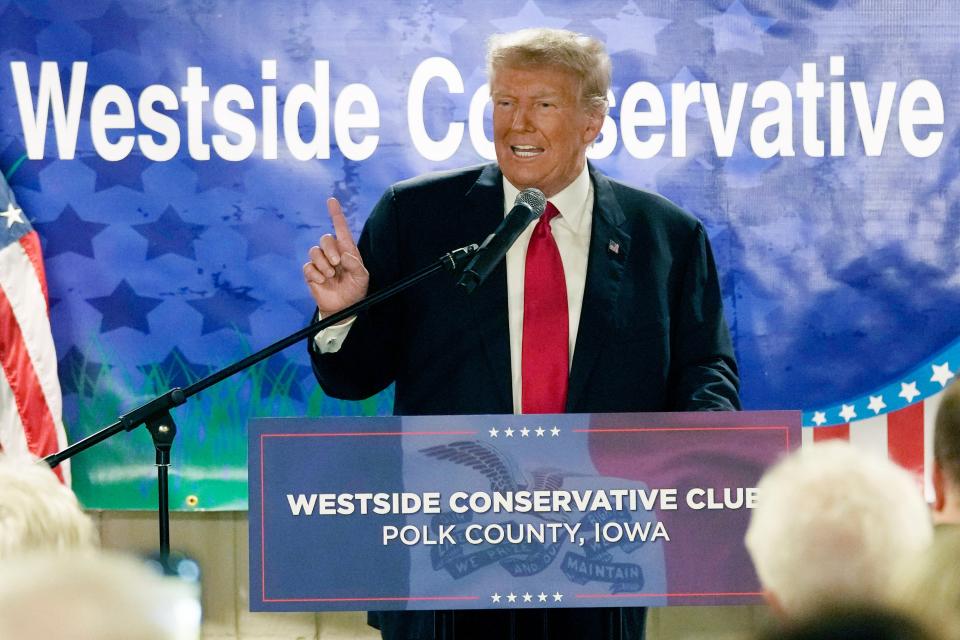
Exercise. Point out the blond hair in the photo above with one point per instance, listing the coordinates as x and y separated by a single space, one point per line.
37 512
92 595
583 56
832 524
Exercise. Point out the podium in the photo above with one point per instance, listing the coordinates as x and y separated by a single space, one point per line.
507 512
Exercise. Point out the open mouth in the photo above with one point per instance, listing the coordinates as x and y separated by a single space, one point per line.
526 150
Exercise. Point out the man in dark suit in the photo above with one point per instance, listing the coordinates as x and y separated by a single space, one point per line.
610 302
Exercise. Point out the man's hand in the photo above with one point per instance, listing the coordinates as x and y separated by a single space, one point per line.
335 274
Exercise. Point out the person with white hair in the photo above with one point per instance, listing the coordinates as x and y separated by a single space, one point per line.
93 596
832 524
37 512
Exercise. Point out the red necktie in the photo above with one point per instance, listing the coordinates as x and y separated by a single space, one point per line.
545 347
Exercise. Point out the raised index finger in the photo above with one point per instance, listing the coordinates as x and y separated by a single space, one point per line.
340 227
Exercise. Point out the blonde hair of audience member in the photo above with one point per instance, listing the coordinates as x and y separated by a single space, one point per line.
583 56
93 596
930 588
832 524
37 512
946 458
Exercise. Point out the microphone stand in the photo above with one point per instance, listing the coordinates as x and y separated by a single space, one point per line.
155 414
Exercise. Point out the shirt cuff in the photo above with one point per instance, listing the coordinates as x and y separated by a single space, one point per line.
331 339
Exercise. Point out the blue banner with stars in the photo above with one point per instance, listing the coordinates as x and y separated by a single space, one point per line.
175 161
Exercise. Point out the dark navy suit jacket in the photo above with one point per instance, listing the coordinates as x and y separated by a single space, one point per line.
652 335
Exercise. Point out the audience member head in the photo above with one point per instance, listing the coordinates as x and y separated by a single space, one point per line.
37 512
946 457
856 622
930 587
832 523
93 596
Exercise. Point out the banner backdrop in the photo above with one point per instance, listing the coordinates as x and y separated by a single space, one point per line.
175 157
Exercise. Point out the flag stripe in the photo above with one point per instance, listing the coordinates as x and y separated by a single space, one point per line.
834 432
12 435
25 341
28 300
905 437
806 436
870 435
930 408
33 314
31 246
31 404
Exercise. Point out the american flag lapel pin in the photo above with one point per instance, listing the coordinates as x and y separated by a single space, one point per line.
614 247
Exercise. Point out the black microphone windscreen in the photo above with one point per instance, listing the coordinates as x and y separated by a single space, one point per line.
528 206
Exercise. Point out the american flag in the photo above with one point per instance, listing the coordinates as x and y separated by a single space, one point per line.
896 421
905 436
30 402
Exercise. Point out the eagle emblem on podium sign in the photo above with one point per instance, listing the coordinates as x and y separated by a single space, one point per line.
498 467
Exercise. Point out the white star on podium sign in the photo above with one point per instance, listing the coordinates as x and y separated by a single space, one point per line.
539 432
527 597
542 597
495 597
493 432
557 597
508 432
511 597
524 433
13 214
555 432
941 374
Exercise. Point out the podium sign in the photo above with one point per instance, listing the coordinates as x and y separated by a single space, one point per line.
473 512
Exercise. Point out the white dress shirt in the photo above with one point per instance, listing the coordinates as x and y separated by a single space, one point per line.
571 231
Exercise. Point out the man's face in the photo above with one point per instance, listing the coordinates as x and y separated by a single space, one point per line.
540 129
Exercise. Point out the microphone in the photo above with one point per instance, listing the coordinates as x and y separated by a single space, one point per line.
528 206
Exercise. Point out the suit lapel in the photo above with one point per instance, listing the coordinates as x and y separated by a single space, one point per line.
609 248
488 302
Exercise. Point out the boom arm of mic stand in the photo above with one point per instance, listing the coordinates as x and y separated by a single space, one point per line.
155 414
175 397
